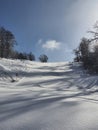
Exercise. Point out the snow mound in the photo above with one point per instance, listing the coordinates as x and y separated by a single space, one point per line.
3 68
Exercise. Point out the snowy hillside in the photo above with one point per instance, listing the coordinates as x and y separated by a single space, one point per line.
47 96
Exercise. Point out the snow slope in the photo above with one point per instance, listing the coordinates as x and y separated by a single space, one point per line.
47 96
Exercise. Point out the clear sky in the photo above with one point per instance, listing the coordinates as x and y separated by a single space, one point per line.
51 27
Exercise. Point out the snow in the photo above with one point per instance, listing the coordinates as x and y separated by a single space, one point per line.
47 96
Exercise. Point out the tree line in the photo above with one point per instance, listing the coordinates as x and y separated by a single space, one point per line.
7 43
87 51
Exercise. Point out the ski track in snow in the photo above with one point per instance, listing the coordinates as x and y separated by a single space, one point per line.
47 96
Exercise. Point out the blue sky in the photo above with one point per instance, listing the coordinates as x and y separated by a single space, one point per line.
51 27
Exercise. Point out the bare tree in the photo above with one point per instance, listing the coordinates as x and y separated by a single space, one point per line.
7 42
94 33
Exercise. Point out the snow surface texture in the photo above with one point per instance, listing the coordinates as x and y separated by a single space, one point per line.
47 96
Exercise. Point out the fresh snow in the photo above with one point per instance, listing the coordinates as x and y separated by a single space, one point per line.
47 96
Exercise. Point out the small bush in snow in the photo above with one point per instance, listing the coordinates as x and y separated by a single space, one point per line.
43 58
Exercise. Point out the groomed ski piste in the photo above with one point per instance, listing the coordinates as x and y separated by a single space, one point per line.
47 96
